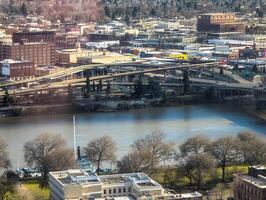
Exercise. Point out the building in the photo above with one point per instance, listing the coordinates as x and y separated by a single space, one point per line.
77 185
15 69
40 53
66 41
70 56
34 36
219 23
252 185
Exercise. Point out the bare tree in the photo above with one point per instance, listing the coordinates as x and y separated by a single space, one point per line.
224 151
195 167
48 153
155 148
4 160
4 164
100 150
84 10
252 149
195 145
23 194
146 153
134 161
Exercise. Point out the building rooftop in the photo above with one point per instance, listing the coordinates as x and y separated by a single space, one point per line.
218 14
255 181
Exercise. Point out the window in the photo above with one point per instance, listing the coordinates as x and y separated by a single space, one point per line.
114 190
124 190
110 191
119 190
104 191
129 189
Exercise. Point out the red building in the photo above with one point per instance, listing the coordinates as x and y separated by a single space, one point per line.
34 36
40 53
16 69
219 23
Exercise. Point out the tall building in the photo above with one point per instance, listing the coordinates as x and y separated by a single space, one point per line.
40 53
77 185
34 36
219 23
251 185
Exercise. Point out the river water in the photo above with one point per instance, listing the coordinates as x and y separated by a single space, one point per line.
178 123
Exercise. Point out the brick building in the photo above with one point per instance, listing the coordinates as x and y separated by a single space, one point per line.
252 185
34 36
65 41
40 53
219 23
15 69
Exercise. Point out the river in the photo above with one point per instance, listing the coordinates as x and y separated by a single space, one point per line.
178 123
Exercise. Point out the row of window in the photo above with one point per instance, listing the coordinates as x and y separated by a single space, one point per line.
114 190
251 190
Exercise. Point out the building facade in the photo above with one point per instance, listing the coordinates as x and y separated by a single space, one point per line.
252 185
40 53
219 23
77 185
14 69
34 36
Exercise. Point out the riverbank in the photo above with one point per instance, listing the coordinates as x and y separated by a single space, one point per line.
99 106
251 110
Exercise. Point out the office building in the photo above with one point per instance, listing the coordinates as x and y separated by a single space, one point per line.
77 185
40 53
34 36
219 23
251 185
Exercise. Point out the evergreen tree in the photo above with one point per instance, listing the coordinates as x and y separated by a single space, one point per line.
24 10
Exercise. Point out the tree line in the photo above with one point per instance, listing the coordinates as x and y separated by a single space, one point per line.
197 157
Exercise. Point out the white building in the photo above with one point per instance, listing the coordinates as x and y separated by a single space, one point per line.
78 185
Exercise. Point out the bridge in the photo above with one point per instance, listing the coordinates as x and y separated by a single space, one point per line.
55 83
84 68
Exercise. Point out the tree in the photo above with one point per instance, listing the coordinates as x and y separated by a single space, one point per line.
252 149
135 11
154 87
139 89
100 150
107 11
23 194
194 146
134 161
47 153
154 148
70 92
7 98
186 81
255 69
127 19
88 85
85 10
4 164
108 88
221 71
4 160
146 153
195 167
224 151
24 10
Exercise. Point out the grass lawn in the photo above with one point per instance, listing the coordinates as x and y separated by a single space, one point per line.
210 180
36 191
